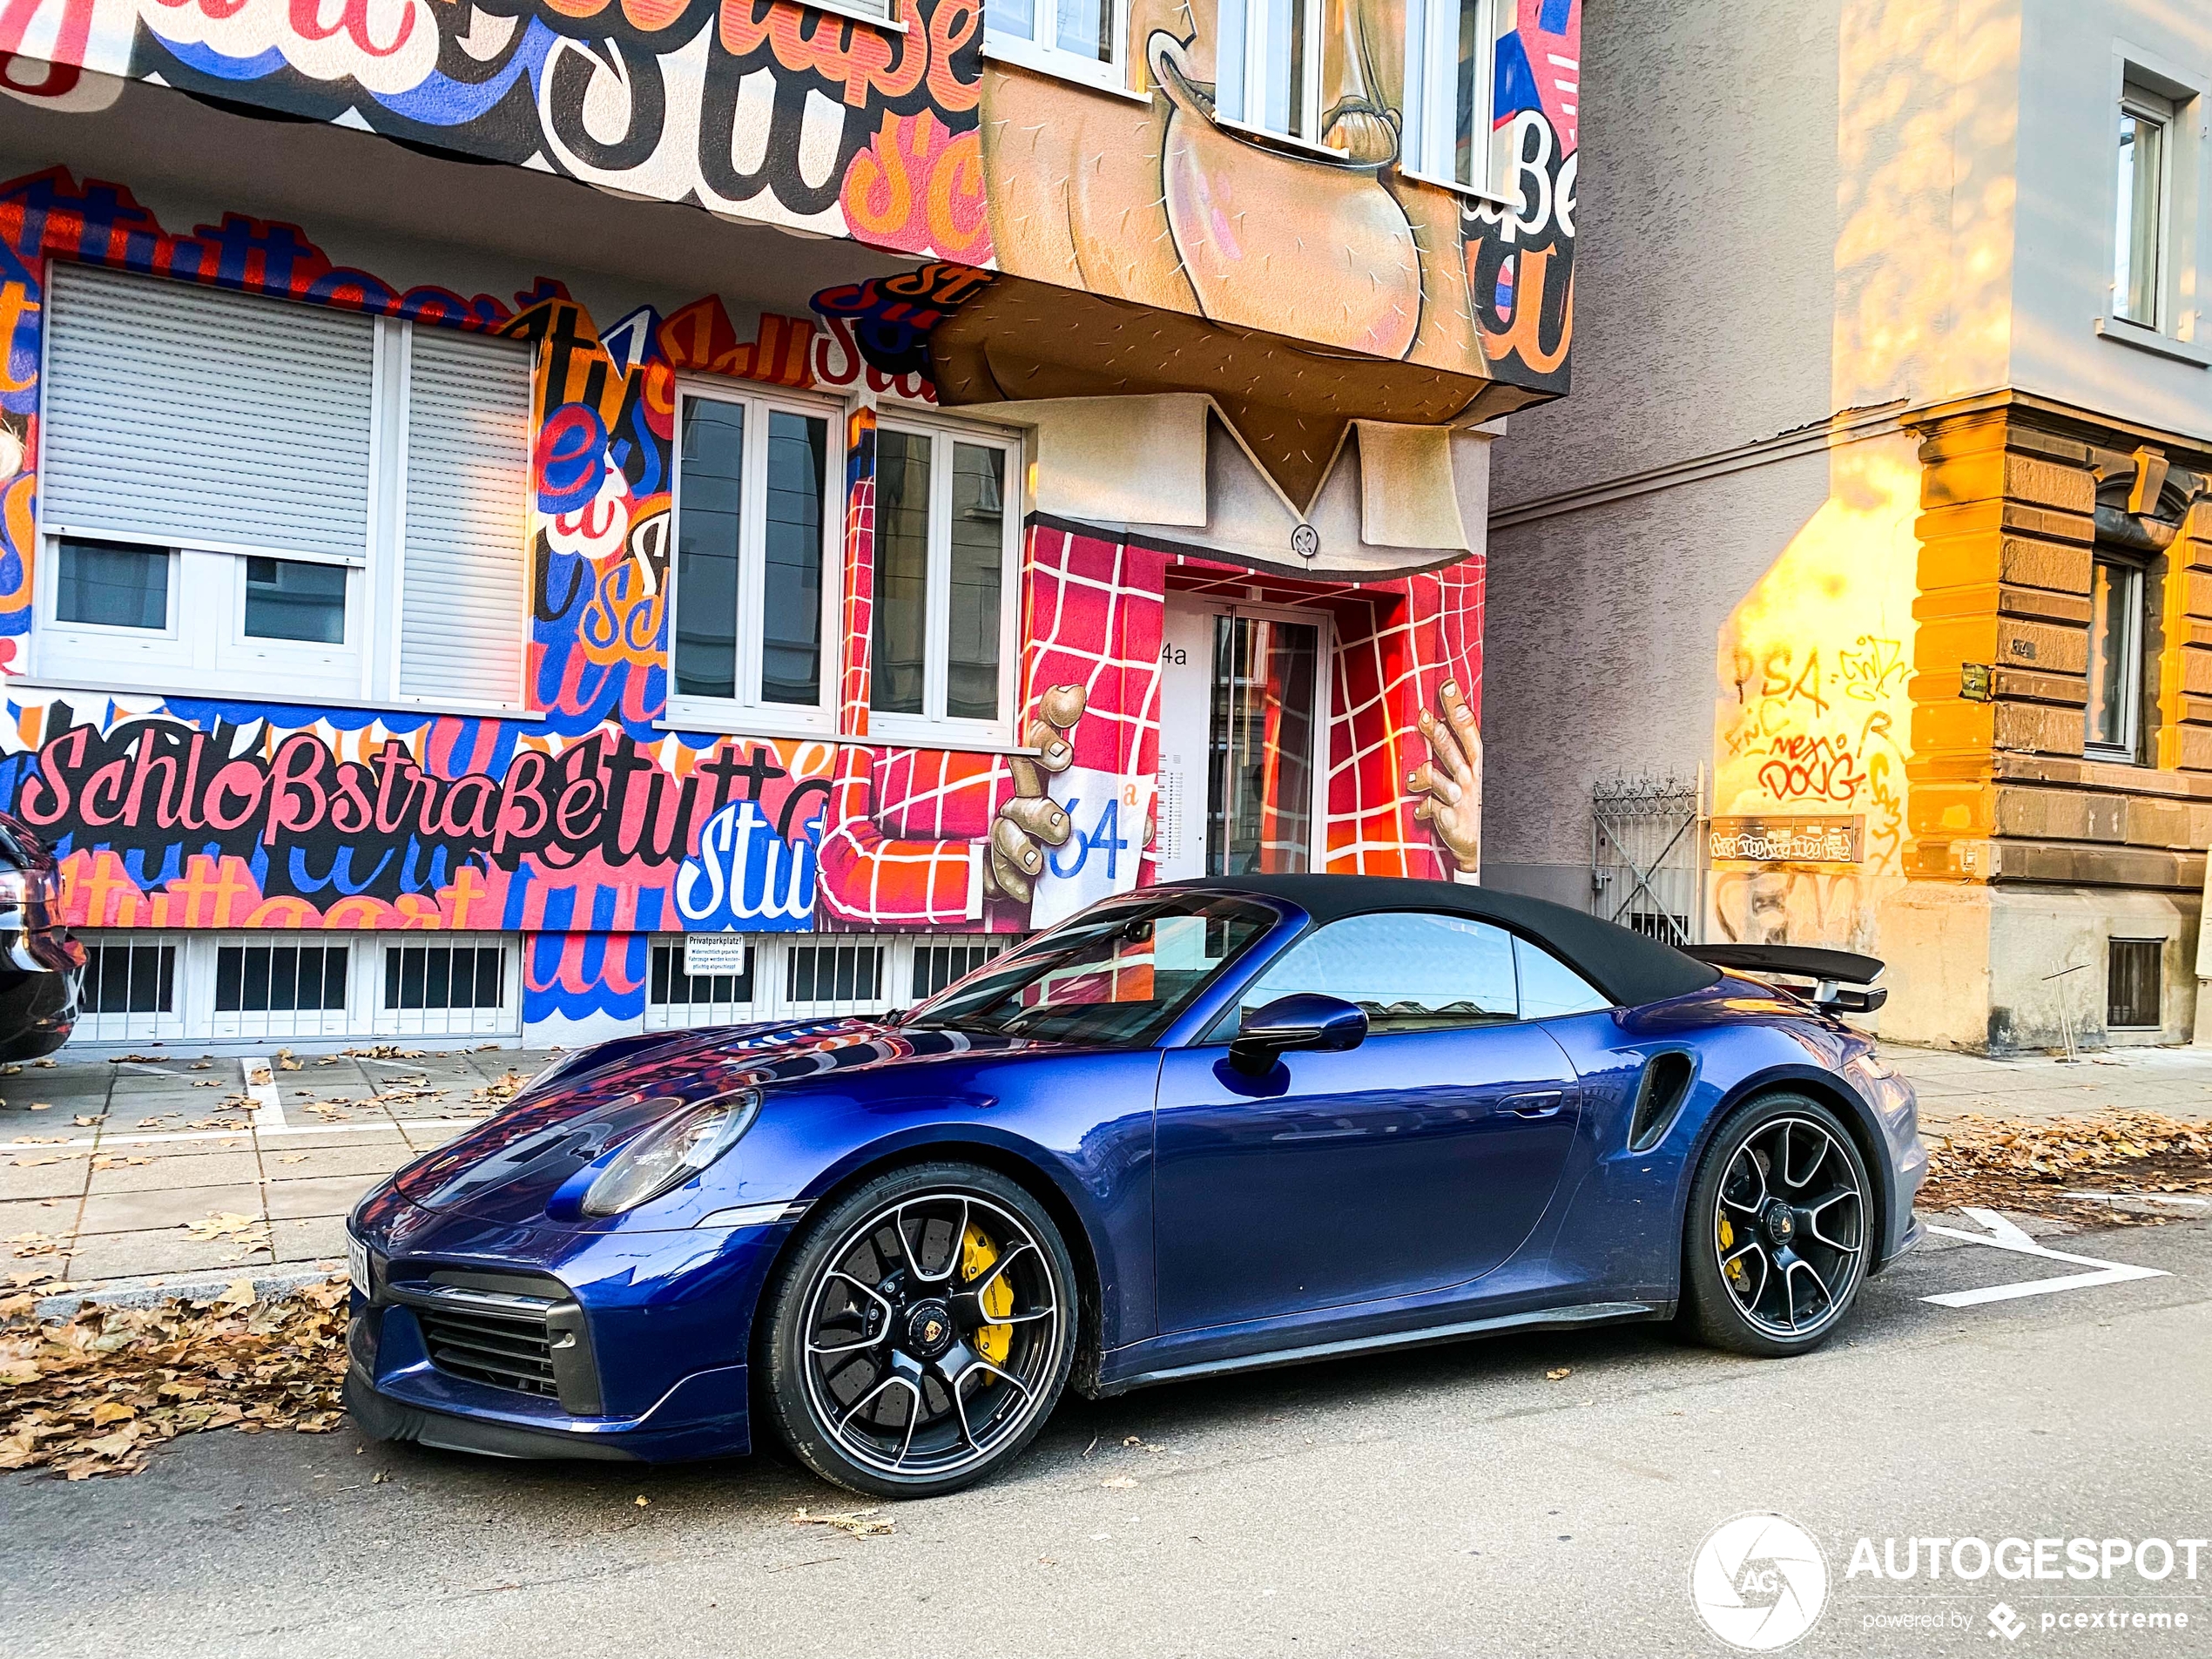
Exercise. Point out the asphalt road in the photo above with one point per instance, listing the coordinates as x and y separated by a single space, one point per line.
1452 1501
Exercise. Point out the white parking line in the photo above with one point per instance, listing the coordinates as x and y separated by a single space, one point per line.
260 1084
2003 1235
161 1137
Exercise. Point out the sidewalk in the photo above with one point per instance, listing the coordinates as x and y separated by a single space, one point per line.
118 1174
121 1171
2177 1082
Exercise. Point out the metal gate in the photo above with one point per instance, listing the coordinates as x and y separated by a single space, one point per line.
1647 866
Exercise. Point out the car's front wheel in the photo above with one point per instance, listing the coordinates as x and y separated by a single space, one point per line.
922 1331
1779 1232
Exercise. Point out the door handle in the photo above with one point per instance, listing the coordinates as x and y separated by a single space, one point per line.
1543 1103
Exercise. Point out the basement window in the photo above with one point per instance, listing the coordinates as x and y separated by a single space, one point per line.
2132 988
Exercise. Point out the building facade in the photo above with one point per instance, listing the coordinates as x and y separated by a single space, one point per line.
1874 543
541 520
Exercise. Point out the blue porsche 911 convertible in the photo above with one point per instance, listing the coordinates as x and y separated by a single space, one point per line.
1199 1128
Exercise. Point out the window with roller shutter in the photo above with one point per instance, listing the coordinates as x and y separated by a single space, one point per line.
251 495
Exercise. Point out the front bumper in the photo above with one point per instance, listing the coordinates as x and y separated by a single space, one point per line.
549 1341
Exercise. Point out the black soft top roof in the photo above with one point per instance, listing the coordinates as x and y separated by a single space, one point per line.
1626 966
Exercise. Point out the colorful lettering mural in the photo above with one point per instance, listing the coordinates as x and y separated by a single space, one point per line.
760 109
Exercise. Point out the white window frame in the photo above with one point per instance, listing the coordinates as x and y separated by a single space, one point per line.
193 1016
771 978
155 1025
2128 751
932 725
2154 109
504 1020
1039 50
745 712
204 649
1432 93
1252 44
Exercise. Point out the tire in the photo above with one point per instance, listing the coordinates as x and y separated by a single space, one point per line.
921 1332
1773 1258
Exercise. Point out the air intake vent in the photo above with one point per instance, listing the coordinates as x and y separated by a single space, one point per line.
1659 1097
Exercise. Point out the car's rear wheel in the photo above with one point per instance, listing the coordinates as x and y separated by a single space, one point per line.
1780 1229
922 1331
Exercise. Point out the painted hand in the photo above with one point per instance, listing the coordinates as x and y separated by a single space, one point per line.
1033 820
1450 781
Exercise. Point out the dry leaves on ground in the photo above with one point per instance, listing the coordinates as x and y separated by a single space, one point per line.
499 1091
388 1051
229 1227
859 1523
35 1245
94 1395
2016 1165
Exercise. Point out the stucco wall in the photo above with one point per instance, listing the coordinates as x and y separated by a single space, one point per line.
2072 58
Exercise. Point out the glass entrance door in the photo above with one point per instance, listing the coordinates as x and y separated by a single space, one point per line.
1259 770
1243 709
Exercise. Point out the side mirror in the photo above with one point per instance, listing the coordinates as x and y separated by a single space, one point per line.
1303 1020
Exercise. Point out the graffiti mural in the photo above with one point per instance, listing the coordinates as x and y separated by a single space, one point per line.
755 108
587 826
1175 205
1813 719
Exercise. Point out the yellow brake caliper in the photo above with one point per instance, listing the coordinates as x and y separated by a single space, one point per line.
1733 1270
977 1257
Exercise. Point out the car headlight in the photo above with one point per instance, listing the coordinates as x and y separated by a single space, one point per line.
671 1152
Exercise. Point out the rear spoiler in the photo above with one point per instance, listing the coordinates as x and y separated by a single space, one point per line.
1830 970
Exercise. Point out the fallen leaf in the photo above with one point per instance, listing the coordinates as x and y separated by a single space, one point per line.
89 1123
49 1064
42 1106
1560 1375
109 1411
248 1231
285 1062
857 1523
643 1501
293 1157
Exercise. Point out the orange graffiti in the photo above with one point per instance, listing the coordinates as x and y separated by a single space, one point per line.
920 188
1524 334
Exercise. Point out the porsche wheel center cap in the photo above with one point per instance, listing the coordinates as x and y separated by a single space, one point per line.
929 1328
1781 1223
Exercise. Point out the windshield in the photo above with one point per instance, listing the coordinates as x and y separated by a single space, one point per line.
1120 973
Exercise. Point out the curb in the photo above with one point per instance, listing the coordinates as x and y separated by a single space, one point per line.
202 1287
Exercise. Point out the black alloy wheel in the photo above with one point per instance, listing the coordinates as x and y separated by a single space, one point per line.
1780 1230
921 1332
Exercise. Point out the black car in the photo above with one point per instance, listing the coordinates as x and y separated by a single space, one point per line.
40 962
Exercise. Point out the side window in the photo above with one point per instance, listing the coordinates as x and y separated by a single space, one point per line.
1409 971
1549 986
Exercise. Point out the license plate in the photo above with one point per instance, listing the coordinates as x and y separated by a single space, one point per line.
357 1265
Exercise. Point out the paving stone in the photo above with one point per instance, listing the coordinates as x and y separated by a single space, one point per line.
56 1217
300 1137
321 1237
169 1250
26 1173
118 1213
281 1162
165 1171
327 1195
